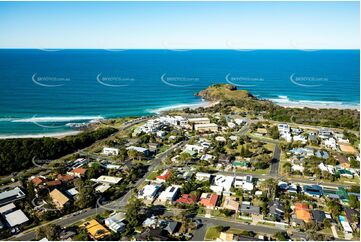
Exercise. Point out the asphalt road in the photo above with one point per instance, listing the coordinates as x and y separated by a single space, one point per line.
275 162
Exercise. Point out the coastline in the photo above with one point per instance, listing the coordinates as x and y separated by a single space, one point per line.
53 135
318 106
283 102
202 104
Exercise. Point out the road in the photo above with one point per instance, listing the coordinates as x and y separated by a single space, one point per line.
275 162
216 221
114 205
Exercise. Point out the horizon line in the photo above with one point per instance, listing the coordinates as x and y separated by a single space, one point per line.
172 49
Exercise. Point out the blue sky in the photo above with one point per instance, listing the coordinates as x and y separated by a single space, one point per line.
180 25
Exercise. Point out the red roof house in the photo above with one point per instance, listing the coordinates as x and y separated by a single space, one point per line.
78 172
187 199
65 178
38 180
209 200
164 176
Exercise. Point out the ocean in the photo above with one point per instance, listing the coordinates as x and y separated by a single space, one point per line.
45 91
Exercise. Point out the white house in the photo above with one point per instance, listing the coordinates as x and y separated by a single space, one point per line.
298 168
110 151
331 143
233 138
239 121
231 125
115 223
199 120
149 192
225 182
329 168
286 136
206 127
324 133
169 195
139 149
207 157
283 128
201 176
108 179
194 148
244 182
220 139
300 138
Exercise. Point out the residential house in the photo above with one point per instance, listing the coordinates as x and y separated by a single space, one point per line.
149 192
65 178
207 157
331 143
230 203
169 195
141 150
224 159
188 199
244 182
39 180
277 209
220 139
209 200
302 213
172 227
77 172
300 138
199 120
206 127
110 151
108 179
313 190
115 222
322 154
166 174
247 208
318 215
16 218
11 196
223 183
193 148
201 176
59 199
324 133
344 162
353 217
95 230
328 168
345 225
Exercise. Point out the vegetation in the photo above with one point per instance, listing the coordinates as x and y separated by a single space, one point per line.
19 154
229 96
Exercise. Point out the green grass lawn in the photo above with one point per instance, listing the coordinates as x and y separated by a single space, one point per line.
212 233
152 175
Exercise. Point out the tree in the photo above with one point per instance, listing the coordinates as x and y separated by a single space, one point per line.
353 201
132 154
133 215
288 167
281 236
82 235
85 197
51 232
334 207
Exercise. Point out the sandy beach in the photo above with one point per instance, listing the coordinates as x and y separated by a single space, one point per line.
318 106
53 135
